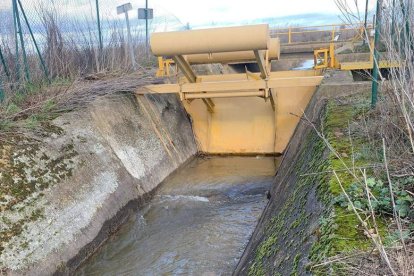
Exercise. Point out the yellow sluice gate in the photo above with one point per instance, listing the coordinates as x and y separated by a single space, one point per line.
245 113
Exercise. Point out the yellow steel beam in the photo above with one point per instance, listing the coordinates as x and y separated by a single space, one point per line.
191 77
185 68
234 85
224 95
261 63
208 103
276 74
251 75
272 100
364 65
245 85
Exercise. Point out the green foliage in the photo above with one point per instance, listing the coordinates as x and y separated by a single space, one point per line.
395 237
12 108
5 125
381 199
32 122
48 106
295 265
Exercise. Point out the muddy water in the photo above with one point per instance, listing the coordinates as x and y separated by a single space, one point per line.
198 223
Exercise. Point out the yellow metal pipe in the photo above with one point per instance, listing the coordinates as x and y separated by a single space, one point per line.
216 40
230 57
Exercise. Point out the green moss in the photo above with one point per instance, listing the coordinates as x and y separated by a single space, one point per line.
14 176
17 228
295 265
287 229
264 251
339 229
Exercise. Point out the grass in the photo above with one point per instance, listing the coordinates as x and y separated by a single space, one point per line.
348 151
342 232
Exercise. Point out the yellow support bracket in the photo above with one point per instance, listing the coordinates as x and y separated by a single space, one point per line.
325 58
164 66
320 58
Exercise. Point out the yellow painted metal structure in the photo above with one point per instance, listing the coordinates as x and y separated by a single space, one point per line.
367 65
335 33
235 57
249 124
216 40
326 58
164 67
245 113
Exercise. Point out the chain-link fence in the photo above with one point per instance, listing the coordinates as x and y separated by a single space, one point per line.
47 39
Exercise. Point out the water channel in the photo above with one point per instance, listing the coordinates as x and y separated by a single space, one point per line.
198 223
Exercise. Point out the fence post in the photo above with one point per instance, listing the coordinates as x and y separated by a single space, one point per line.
290 35
42 62
146 28
374 91
1 91
131 46
20 31
333 34
99 25
3 61
16 45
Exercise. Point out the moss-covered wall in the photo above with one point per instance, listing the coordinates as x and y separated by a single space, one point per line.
282 241
291 230
65 187
303 224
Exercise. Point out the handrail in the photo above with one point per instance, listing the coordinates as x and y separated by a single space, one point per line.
318 31
319 26
333 31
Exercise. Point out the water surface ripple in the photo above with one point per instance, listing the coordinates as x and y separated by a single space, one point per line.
198 223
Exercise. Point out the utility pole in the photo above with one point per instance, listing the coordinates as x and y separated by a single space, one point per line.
124 9
374 92
99 26
146 13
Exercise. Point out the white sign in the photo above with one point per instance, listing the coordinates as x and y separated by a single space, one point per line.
124 8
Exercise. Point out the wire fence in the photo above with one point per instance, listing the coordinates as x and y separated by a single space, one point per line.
49 39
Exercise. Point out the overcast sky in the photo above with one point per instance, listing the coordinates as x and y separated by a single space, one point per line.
199 12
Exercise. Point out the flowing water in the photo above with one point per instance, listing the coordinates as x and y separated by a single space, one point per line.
198 223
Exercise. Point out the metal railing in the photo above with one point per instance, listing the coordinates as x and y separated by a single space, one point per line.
320 34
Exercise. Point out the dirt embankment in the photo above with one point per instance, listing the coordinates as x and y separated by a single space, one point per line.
66 189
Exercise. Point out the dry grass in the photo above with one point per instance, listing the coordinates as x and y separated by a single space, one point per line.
32 111
388 132
70 50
